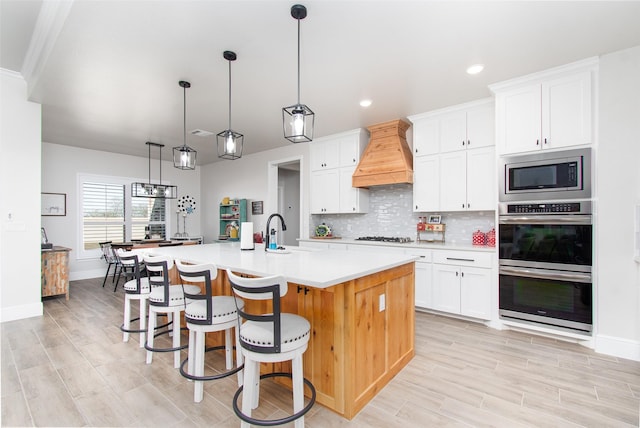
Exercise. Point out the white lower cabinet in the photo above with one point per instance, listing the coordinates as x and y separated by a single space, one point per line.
462 283
423 278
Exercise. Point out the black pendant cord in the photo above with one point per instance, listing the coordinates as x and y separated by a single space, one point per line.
149 145
298 61
184 121
160 150
229 96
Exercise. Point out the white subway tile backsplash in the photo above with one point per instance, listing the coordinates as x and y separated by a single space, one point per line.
391 214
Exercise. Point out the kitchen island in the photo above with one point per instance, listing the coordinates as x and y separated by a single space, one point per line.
360 306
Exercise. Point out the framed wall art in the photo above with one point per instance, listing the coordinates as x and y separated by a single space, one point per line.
434 219
54 204
256 207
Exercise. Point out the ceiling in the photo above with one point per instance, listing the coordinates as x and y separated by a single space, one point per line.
107 72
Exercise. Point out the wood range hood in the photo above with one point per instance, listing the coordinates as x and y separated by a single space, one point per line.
387 159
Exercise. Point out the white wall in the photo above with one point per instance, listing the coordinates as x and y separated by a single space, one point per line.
20 137
249 178
618 189
290 208
60 168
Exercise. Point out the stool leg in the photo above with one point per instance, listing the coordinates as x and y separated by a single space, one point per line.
199 367
248 394
191 353
176 341
143 321
298 389
239 357
170 319
150 333
228 348
127 318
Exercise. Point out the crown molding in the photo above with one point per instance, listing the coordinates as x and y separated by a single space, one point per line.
12 74
51 19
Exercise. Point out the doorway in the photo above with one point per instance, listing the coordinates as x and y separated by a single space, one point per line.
286 186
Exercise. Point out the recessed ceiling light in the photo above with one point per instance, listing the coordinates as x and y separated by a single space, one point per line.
365 103
475 69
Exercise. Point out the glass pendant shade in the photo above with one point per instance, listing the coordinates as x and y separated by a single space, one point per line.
230 144
298 119
184 157
298 123
154 190
229 141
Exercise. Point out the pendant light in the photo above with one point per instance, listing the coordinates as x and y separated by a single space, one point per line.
297 120
184 157
152 190
230 142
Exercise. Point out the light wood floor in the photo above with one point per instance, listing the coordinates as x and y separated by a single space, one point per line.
71 368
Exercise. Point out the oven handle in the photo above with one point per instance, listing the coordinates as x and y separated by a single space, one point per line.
546 274
552 219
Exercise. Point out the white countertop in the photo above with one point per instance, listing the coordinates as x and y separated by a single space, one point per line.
306 266
408 245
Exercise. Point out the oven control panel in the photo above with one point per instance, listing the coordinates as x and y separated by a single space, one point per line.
562 207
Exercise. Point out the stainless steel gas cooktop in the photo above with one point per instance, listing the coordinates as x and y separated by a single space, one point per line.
402 239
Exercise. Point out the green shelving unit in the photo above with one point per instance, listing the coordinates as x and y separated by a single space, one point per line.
234 211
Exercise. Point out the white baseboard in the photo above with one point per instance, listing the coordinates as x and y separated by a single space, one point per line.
13 313
86 274
618 347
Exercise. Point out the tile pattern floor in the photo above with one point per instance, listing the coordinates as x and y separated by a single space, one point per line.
71 368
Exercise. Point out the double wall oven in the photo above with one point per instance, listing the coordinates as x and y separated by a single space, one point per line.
545 240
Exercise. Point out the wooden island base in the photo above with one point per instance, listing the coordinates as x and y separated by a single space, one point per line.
362 335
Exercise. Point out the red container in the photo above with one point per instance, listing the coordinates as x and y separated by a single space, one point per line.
491 238
480 238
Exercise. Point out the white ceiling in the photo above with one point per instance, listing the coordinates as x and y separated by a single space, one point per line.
107 72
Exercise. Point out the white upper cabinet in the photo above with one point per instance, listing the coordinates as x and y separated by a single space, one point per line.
548 110
454 158
333 160
456 128
426 136
426 183
324 154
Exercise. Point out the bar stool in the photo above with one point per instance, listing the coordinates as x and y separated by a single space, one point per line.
165 299
136 287
208 313
270 338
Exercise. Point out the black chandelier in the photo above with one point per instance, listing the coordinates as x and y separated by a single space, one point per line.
297 120
152 190
184 157
230 142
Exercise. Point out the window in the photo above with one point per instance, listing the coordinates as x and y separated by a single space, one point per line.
103 214
109 213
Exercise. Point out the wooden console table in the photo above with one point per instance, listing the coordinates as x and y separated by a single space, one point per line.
55 271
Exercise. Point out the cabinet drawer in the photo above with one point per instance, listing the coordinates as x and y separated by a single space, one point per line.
463 258
425 255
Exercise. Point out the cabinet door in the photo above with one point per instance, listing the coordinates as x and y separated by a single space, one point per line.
423 285
446 288
426 134
453 181
520 120
349 151
475 292
426 183
566 111
324 186
324 154
453 131
481 179
352 199
481 126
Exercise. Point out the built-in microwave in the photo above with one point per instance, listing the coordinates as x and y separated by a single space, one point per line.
546 176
